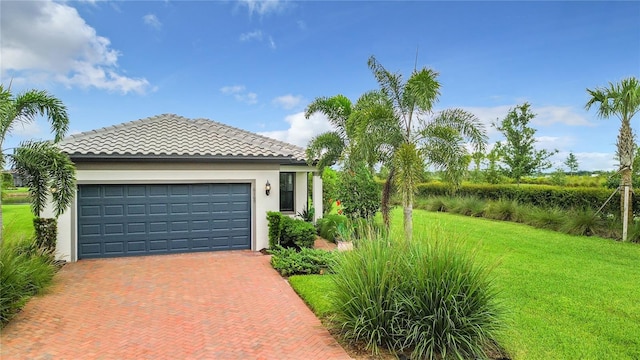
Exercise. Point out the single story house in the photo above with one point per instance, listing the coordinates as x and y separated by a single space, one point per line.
168 184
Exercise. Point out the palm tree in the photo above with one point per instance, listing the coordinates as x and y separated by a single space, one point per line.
329 147
623 101
408 134
23 109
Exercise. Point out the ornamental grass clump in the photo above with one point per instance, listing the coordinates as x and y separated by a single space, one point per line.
426 297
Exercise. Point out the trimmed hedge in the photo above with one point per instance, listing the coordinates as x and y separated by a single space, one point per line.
536 195
289 232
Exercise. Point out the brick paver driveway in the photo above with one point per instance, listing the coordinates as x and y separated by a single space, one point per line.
221 305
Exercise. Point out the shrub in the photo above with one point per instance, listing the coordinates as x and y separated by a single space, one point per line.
289 261
424 296
546 218
366 280
502 210
448 307
274 219
328 226
537 195
582 222
288 232
46 230
297 233
25 270
307 214
359 192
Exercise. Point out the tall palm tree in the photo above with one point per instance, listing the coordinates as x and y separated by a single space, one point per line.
410 134
23 109
623 101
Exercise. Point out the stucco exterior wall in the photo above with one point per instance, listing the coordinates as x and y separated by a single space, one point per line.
179 173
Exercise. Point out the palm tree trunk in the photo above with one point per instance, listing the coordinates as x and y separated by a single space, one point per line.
386 198
626 147
408 218
626 184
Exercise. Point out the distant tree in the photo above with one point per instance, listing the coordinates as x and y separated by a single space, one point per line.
476 174
518 151
559 178
623 101
572 163
492 172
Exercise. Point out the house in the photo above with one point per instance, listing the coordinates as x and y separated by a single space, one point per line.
168 184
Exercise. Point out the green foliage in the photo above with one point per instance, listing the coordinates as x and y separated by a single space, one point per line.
424 296
274 220
328 226
307 214
25 270
330 182
297 233
536 195
46 233
582 222
502 209
559 178
518 151
290 261
7 181
545 218
288 232
447 308
358 192
48 172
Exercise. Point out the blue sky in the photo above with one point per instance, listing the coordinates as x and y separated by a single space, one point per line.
257 64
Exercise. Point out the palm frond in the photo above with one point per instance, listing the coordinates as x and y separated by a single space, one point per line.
327 148
422 90
47 171
466 124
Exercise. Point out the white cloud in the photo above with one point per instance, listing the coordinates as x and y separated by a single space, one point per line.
263 7
153 21
240 94
301 130
48 41
288 101
258 36
233 89
27 130
548 115
253 35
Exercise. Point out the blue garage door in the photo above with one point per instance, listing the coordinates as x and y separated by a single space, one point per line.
131 220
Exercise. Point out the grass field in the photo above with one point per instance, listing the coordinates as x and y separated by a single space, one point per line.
568 297
17 220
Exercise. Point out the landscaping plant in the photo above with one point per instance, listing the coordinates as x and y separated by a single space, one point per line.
289 261
424 296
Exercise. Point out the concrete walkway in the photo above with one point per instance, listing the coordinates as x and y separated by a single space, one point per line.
217 305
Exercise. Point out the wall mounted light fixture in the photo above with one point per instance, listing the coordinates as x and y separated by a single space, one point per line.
267 188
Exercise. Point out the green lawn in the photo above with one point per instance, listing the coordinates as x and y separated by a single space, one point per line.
17 220
567 297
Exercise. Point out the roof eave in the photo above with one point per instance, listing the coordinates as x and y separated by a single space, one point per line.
288 160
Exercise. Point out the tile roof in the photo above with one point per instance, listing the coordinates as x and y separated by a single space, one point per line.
173 136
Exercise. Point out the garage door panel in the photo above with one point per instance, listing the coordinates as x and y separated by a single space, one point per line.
125 220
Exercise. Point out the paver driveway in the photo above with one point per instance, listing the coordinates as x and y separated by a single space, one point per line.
220 305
